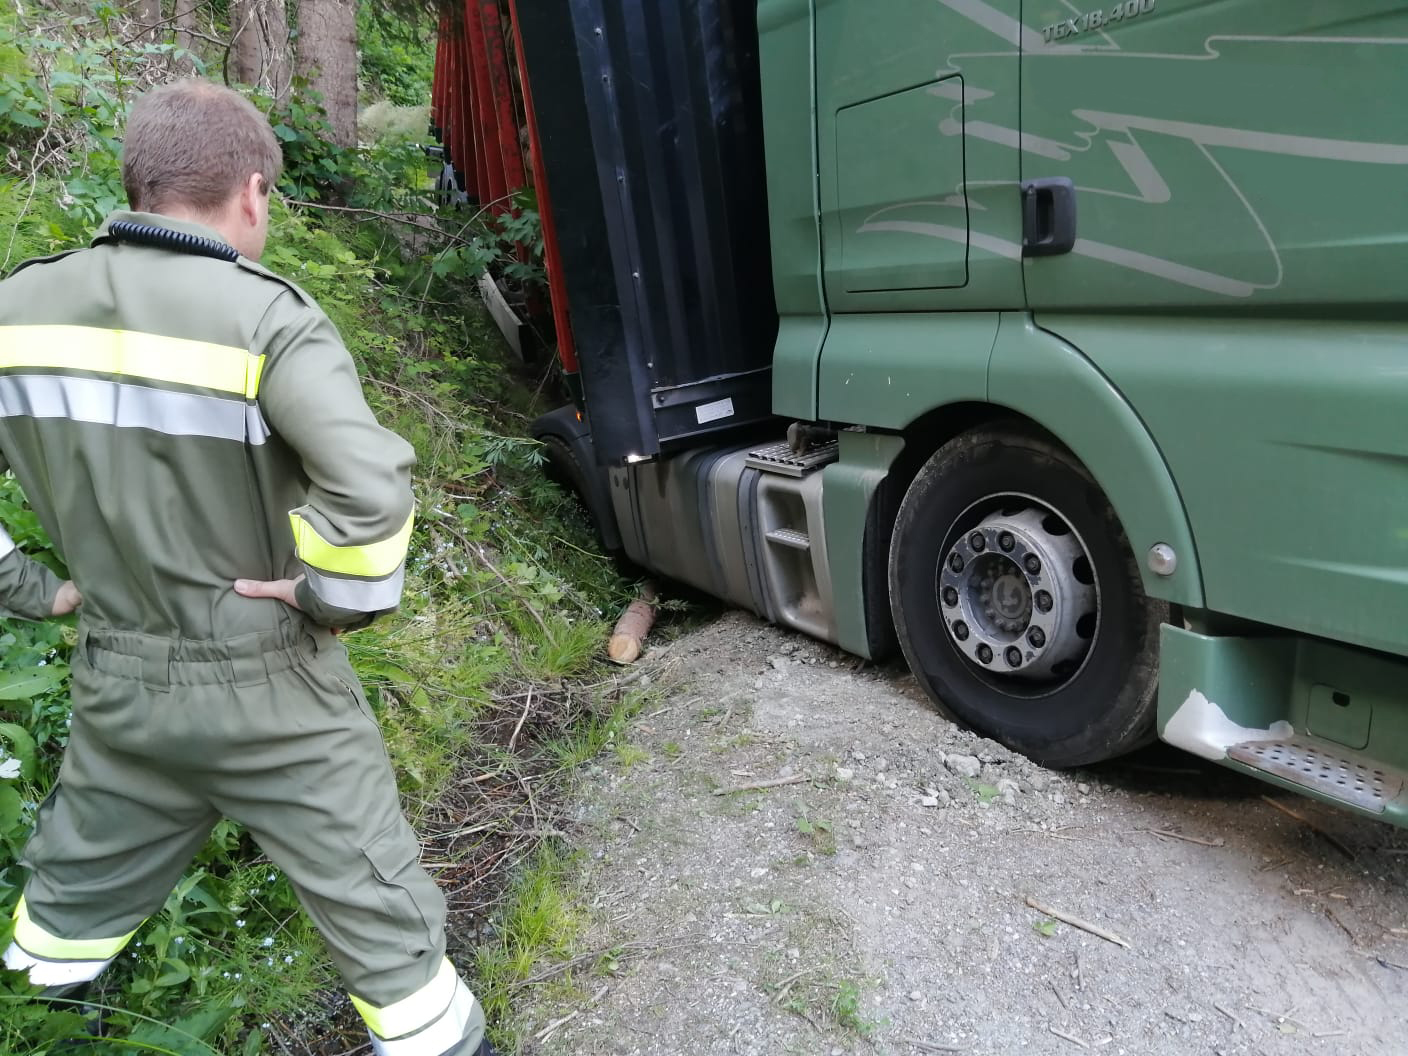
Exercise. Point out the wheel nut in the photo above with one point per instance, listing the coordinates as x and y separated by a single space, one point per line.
960 631
1032 564
1037 637
1014 657
950 597
955 562
984 655
977 542
1005 542
1043 601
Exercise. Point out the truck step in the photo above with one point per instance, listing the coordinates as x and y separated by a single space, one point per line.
779 458
1328 769
790 537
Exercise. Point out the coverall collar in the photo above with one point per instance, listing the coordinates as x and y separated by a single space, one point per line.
170 223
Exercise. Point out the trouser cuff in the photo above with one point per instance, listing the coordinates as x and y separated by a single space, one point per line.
439 1018
52 961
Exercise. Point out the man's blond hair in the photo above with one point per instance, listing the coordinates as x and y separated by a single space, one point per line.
194 144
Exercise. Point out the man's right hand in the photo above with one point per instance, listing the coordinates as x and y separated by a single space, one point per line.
285 590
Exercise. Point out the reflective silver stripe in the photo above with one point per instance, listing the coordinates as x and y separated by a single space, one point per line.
449 1030
358 595
52 973
130 406
7 545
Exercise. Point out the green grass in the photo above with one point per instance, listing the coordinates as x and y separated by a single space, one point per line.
541 921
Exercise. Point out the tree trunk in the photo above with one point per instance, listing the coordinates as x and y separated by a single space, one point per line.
147 15
327 57
185 19
260 55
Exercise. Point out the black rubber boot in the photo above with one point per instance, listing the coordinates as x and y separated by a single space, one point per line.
463 1049
73 998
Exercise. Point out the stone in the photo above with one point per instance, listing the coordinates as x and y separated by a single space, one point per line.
964 765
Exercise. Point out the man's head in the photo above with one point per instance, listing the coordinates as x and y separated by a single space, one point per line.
197 151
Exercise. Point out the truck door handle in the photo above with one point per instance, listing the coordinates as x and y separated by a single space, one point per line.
1048 216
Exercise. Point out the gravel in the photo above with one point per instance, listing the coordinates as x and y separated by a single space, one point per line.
882 903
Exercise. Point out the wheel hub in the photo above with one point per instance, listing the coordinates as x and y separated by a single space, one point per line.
1017 595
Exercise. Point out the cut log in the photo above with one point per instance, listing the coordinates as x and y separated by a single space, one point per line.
628 639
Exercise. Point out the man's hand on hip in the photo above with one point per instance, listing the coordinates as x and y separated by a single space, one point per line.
284 590
67 599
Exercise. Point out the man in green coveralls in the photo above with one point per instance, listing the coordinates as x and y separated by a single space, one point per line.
192 434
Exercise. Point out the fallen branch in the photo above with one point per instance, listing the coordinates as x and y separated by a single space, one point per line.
1077 922
757 786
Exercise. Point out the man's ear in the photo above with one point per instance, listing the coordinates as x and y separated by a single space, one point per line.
252 193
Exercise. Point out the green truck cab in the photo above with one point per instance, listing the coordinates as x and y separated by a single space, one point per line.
1062 346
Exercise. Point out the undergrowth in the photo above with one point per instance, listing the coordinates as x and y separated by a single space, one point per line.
486 683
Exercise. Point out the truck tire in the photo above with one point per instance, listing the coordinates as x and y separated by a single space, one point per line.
1018 601
565 467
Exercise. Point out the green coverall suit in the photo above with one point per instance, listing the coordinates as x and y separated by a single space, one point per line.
178 422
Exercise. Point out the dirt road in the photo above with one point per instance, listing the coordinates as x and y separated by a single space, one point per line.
879 903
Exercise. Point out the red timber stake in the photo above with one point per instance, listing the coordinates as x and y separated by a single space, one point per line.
488 155
500 101
552 252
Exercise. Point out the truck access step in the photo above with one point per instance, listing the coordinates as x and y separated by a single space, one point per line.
1320 766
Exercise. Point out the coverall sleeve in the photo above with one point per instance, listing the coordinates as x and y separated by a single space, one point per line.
353 533
27 588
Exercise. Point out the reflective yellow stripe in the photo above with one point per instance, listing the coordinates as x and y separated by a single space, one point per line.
374 560
412 1013
36 941
129 354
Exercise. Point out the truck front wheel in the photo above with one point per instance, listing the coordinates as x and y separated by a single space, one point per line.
1018 601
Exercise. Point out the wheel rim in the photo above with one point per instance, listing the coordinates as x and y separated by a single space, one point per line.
1018 594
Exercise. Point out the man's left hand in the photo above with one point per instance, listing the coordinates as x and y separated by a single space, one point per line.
285 590
67 599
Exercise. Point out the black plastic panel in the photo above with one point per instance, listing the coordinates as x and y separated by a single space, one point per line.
651 124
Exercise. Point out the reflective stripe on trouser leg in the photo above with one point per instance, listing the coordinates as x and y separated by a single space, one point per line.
52 961
438 1017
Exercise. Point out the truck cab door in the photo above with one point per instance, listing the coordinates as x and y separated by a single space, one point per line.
918 212
1212 163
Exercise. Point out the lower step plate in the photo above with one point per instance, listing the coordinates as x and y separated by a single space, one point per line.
1336 772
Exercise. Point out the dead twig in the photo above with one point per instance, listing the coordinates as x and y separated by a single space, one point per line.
929 1046
547 1031
1077 922
757 786
527 707
1236 1020
1068 1037
786 984
1170 834
1330 838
